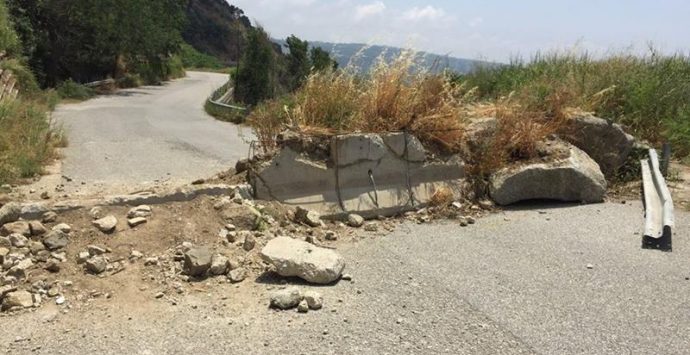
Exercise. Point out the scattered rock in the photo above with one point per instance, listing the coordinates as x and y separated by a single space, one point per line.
303 307
82 257
49 217
355 220
19 270
96 213
56 240
574 178
18 240
249 242
314 300
21 299
63 227
237 275
308 217
242 165
45 195
106 224
293 257
142 211
133 222
346 277
331 235
95 250
590 266
197 261
135 254
52 266
37 228
219 265
20 227
371 227
287 298
96 265
10 212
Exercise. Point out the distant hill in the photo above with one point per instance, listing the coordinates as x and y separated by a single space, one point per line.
365 56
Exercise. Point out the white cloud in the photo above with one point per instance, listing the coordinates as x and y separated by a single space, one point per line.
424 13
364 11
477 21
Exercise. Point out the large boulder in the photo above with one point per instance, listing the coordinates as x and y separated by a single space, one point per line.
568 175
293 257
604 141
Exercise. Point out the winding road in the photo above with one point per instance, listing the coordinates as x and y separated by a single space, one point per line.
149 134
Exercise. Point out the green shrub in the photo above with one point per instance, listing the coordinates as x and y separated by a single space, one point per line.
130 81
71 90
193 59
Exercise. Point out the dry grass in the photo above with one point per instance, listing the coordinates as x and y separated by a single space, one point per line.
442 197
394 97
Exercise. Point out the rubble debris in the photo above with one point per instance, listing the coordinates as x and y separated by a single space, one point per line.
292 257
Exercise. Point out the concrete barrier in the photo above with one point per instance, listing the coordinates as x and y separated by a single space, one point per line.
368 174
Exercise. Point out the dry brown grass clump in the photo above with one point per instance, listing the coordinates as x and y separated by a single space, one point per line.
393 97
442 197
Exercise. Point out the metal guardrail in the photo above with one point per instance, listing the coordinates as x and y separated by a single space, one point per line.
659 219
220 96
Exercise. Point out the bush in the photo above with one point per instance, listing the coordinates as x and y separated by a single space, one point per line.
130 81
71 90
193 59
649 94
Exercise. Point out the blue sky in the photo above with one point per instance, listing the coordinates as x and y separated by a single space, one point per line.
482 29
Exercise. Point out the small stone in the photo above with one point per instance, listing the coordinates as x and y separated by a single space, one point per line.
106 224
63 227
96 265
19 227
18 240
346 277
314 300
219 265
160 295
371 227
463 222
36 247
96 213
56 240
19 270
355 220
49 217
197 261
82 257
590 266
45 195
151 261
142 211
53 266
237 275
230 227
60 300
286 298
133 222
308 217
37 228
135 254
331 236
21 299
249 242
95 250
471 220
303 307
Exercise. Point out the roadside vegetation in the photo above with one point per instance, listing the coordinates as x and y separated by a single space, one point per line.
649 95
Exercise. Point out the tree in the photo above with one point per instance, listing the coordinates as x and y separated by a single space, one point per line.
321 60
256 76
298 62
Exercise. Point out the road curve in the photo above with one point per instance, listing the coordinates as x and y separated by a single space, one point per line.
148 134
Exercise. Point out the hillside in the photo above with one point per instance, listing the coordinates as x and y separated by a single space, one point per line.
366 56
216 28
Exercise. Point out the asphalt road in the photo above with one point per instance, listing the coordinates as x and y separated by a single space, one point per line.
516 282
149 134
